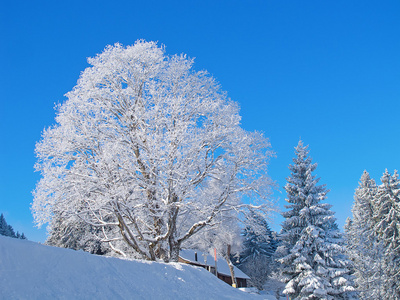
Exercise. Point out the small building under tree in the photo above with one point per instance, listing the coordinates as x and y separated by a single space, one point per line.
206 261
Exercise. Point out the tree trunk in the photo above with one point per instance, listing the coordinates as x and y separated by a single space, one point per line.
174 253
228 260
174 247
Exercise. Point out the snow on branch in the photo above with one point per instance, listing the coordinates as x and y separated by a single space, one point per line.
149 149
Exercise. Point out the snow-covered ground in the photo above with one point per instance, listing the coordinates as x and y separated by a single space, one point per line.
30 270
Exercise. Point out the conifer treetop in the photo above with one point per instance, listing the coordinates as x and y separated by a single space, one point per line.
314 266
387 210
303 192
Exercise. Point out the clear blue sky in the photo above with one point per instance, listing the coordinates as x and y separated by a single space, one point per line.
325 71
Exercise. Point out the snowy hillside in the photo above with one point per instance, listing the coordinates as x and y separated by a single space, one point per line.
30 270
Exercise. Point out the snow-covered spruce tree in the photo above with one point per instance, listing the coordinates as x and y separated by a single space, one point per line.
386 221
259 245
314 266
148 147
363 247
258 240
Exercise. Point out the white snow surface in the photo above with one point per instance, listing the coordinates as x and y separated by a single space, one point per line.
29 270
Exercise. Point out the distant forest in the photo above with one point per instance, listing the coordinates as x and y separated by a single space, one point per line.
8 230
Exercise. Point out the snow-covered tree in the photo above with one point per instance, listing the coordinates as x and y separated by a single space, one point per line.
148 147
314 266
363 247
259 245
258 240
386 221
223 237
73 233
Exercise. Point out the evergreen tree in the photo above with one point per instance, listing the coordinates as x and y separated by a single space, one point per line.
259 245
11 232
8 230
4 229
364 250
314 266
258 240
387 229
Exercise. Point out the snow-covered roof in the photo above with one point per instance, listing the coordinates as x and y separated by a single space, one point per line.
206 259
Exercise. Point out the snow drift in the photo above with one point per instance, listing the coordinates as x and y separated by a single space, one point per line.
30 270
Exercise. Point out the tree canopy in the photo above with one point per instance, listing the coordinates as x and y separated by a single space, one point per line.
150 150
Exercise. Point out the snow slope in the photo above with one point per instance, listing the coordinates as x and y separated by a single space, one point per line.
30 270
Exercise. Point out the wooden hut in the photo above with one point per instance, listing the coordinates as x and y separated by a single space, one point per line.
206 261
